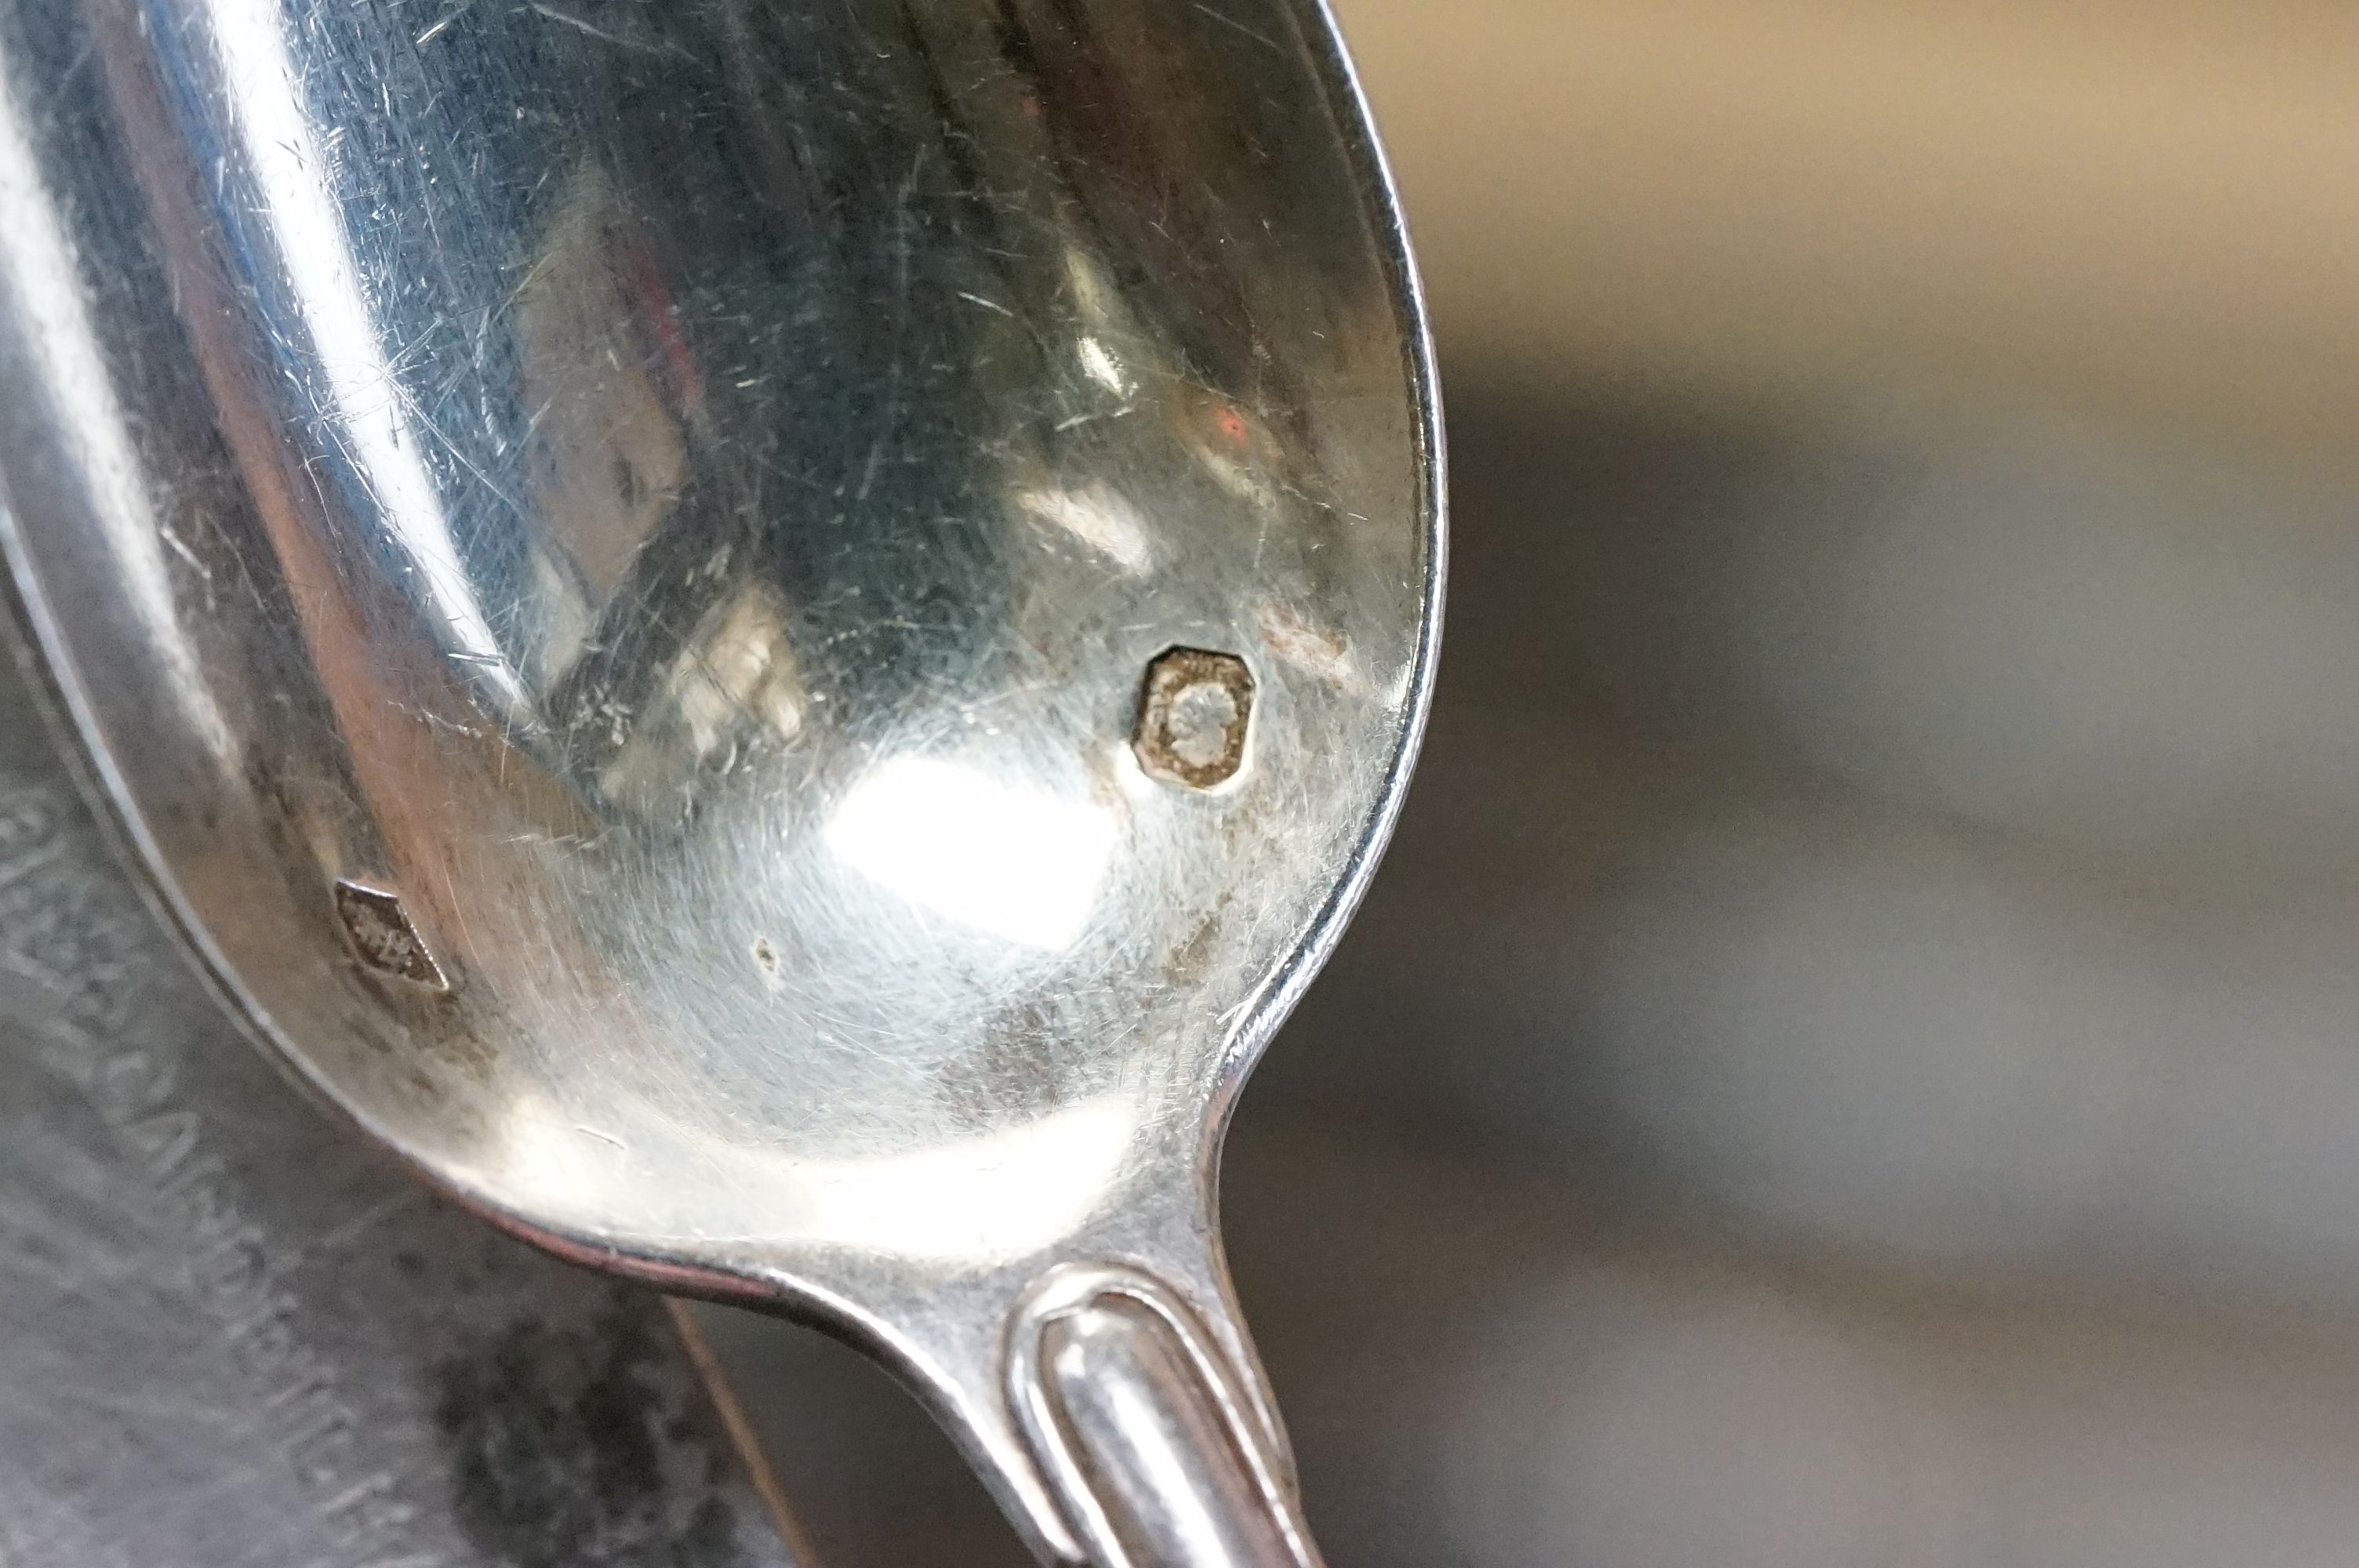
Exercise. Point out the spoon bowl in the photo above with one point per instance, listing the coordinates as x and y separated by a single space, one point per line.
769 639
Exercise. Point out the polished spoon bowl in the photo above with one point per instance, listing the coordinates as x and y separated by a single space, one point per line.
769 638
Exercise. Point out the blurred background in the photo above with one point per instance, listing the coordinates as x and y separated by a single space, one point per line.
1852 1059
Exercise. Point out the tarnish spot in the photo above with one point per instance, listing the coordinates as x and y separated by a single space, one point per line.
1194 713
383 939
765 959
1188 959
1295 639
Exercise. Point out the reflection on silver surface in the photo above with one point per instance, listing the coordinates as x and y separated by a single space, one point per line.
682 500
354 395
1022 866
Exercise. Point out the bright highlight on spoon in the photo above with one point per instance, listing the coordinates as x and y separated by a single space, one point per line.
1018 864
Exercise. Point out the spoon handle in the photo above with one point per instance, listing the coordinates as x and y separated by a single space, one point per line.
1144 1429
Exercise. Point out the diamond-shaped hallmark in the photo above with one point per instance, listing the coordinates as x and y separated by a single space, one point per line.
383 937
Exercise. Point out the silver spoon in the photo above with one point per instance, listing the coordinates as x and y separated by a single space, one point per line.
770 638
